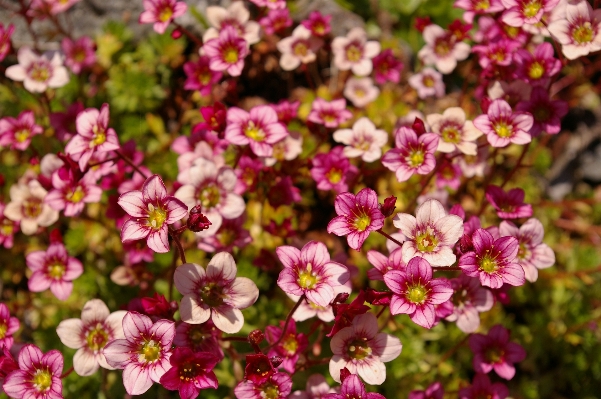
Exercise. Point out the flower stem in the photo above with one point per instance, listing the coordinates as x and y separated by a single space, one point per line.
397 242
130 163
302 298
66 373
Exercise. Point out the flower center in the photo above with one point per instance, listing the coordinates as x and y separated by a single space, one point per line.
334 176
39 72
22 135
362 221
188 371
99 136
212 295
76 195
503 129
6 227
531 8
451 134
416 157
150 352
511 31
417 293
354 52
328 117
300 48
488 264
523 251
583 33
42 380
428 81
156 216
536 71
290 344
359 349
307 279
541 113
254 132
3 329
197 336
481 5
56 270
427 241
270 391
210 196
494 355
442 47
97 338
166 14
32 208
230 55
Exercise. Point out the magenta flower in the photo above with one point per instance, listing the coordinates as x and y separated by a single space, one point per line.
384 264
493 261
290 346
521 12
53 269
579 32
352 387
354 52
309 271
502 126
363 350
276 21
428 83
358 215
199 337
317 387
494 351
468 301
199 76
17 133
412 154
271 4
537 68
415 292
442 49
318 24
260 129
143 354
161 13
71 195
299 48
190 372
431 234
94 135
387 68
434 391
27 207
478 7
497 53
532 253
38 377
8 326
329 113
151 211
277 386
5 35
79 54
482 388
510 204
215 293
547 114
90 335
227 51
333 171
38 72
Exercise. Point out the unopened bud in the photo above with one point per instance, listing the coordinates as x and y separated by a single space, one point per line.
276 361
418 127
256 337
388 207
484 104
197 221
176 34
344 373
341 298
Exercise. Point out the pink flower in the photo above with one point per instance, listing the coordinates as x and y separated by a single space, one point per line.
5 35
521 12
71 195
38 72
510 204
537 68
276 21
190 372
230 235
358 215
387 68
579 33
363 140
318 24
94 135
277 386
17 133
90 335
497 53
478 7
53 269
38 376
442 49
8 326
412 154
58 6
64 122
482 388
161 13
455 132
236 16
151 211
271 4
502 126
226 52
333 171
427 83
290 346
354 52
415 292
286 150
494 351
329 113
144 353
215 293
28 208
199 76
468 301
361 91
317 387
431 234
434 391
493 261
384 264
352 387
309 271
532 253
259 128
546 114
8 228
79 54
298 48
199 337
363 350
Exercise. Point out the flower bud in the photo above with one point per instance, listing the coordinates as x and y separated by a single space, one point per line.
276 361
197 221
388 207
419 127
256 337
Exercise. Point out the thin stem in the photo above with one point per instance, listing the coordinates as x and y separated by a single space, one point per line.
308 77
66 373
302 298
130 163
172 272
397 242
178 243
450 352
381 311
517 165
189 34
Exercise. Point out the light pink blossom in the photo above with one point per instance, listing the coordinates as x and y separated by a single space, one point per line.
354 52
16 133
360 91
428 83
79 54
455 132
227 51
363 140
260 129
38 376
38 72
53 269
329 113
8 326
27 207
160 13
502 126
235 15
298 48
442 49
579 33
